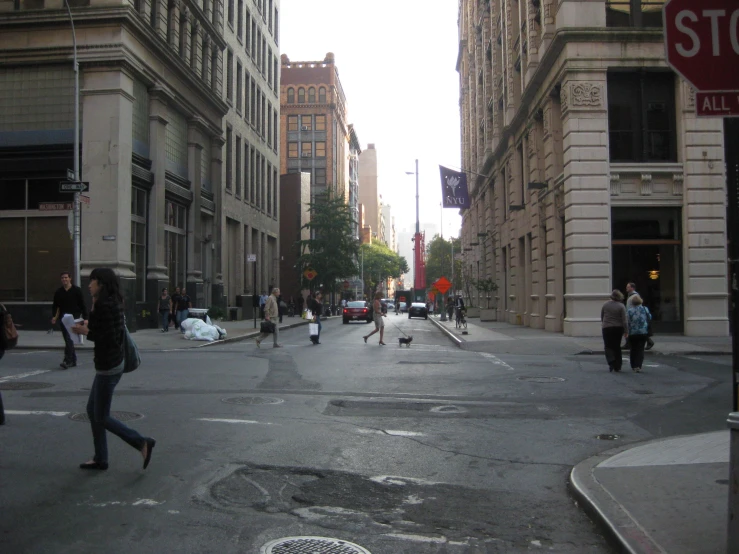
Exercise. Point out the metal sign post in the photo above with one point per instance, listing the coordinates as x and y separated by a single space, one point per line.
252 258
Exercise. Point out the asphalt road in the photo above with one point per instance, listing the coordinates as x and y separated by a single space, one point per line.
427 449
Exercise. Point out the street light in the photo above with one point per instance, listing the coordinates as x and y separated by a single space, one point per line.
76 166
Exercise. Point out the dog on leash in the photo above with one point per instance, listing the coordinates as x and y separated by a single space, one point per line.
405 340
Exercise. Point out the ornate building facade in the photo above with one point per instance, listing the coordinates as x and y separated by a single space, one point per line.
588 167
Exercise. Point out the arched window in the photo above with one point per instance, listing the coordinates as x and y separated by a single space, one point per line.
291 95
301 95
311 95
322 95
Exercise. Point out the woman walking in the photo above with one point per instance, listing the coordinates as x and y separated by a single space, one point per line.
315 304
614 324
165 308
377 315
105 329
638 316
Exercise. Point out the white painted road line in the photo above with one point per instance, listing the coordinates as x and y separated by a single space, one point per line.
28 353
23 375
493 359
36 412
220 420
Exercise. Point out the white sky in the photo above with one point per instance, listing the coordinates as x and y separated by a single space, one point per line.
396 61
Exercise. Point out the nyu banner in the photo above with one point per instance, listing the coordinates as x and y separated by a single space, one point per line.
454 188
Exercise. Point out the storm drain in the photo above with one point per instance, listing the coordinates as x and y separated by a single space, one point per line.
24 385
642 391
607 437
120 416
542 379
312 545
252 400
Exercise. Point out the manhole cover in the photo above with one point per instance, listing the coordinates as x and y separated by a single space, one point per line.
120 416
252 400
448 410
312 545
642 391
24 385
542 379
607 437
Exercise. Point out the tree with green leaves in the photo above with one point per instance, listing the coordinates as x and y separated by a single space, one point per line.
332 249
380 263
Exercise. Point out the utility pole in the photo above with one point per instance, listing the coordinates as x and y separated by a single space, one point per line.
76 166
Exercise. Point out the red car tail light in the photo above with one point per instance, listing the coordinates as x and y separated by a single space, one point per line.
346 311
364 310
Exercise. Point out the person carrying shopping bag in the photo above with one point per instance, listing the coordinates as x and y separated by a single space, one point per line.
271 315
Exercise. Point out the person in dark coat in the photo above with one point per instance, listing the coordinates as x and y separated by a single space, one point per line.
68 300
106 329
614 326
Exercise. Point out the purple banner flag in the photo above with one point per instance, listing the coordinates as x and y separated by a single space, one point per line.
454 191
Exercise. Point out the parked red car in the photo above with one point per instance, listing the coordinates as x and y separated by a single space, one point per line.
357 310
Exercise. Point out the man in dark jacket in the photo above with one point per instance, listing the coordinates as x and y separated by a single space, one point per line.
68 300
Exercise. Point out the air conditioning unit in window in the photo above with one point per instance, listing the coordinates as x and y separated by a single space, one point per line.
304 128
306 154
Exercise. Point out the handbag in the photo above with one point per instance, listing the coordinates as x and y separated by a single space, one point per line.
10 333
267 327
131 357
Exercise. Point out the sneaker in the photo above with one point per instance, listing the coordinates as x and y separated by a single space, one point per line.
277 346
259 343
64 365
71 364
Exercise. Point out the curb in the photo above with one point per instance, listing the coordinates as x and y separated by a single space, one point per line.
251 335
657 352
619 527
458 342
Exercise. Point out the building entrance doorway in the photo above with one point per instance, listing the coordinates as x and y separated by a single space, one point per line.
647 251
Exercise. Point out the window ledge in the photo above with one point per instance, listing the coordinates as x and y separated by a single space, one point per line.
646 167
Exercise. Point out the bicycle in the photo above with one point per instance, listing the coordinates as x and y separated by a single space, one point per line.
460 321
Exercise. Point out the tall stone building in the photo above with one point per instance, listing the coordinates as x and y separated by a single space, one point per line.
369 197
588 167
151 148
313 122
251 203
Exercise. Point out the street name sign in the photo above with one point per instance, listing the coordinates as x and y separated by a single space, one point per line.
74 186
251 258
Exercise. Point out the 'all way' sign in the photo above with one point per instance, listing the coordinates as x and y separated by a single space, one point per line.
712 104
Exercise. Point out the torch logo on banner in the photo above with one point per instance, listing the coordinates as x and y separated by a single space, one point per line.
454 188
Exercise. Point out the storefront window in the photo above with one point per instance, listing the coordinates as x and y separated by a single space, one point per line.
49 251
12 254
175 243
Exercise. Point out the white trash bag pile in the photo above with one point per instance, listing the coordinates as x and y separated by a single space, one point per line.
197 329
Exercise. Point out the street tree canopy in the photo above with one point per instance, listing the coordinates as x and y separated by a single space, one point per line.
439 260
332 249
380 263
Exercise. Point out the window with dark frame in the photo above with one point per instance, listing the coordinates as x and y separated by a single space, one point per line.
229 160
301 95
322 95
238 166
292 122
292 149
229 76
634 13
291 95
231 13
311 95
239 88
306 122
320 123
320 149
641 116
306 149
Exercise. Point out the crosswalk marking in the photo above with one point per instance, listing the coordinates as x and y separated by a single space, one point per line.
23 375
36 412
243 421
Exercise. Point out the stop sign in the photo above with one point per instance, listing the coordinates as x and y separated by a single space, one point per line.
702 42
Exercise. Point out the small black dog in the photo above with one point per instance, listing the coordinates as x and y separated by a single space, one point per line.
407 341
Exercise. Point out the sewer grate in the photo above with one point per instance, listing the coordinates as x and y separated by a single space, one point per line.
607 437
24 385
542 379
312 545
252 400
120 416
642 391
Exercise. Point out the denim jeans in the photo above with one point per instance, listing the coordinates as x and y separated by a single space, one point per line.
318 320
98 411
164 319
182 316
69 354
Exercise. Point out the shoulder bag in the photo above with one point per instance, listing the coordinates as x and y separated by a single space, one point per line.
10 333
131 356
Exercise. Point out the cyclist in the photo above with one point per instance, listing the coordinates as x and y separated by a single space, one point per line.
459 310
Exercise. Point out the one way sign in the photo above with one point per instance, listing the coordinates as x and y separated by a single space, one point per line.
74 186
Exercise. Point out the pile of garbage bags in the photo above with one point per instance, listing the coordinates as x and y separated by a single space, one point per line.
196 329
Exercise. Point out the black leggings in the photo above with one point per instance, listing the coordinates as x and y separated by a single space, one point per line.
612 343
636 354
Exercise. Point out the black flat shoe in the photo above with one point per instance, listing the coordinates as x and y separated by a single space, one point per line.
150 446
94 465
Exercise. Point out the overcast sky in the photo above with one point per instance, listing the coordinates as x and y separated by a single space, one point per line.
396 61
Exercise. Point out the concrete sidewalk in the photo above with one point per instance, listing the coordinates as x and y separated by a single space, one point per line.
154 339
667 496
503 338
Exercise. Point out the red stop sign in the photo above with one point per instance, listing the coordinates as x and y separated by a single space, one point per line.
702 42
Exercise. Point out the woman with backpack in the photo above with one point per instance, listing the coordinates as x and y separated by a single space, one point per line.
638 317
106 329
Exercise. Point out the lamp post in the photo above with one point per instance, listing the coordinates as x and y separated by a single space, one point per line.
76 166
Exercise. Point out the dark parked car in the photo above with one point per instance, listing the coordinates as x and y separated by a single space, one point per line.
357 310
418 309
